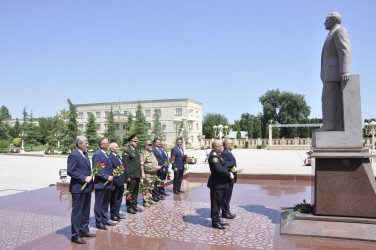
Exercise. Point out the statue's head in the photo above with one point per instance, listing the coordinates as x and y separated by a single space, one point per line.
332 19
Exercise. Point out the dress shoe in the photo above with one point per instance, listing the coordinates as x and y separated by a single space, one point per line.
176 192
115 218
217 225
223 223
137 209
121 217
101 226
181 191
88 235
155 200
228 216
164 194
78 241
109 223
130 211
233 215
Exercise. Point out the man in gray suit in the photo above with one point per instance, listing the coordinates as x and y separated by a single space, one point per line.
335 67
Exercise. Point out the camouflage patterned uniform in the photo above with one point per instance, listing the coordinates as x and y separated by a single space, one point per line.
150 163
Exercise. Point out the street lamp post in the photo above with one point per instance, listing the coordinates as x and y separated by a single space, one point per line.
57 135
220 131
370 129
22 135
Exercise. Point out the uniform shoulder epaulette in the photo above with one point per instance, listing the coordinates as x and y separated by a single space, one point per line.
214 153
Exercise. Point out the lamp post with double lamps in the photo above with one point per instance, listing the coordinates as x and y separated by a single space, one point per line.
22 135
220 131
57 135
370 129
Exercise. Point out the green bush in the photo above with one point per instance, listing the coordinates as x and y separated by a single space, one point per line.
246 144
259 146
4 144
235 146
17 142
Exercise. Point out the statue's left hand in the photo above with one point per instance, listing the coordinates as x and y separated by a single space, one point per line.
345 77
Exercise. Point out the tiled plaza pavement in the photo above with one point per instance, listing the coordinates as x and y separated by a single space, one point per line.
40 219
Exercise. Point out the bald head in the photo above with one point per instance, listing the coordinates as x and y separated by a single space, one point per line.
114 147
217 146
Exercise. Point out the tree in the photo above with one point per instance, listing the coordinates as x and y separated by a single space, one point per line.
91 132
71 128
129 126
4 132
32 135
4 113
25 117
257 131
16 129
57 129
250 129
283 108
238 134
141 127
110 132
45 127
210 120
157 126
3 145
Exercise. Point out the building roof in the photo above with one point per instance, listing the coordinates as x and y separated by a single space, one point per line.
135 102
232 134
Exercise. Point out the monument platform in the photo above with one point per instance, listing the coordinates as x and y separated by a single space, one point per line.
40 219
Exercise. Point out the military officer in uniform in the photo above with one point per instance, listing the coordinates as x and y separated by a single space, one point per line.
218 183
231 166
133 171
150 166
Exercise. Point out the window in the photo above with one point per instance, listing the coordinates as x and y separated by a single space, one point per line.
106 113
81 115
196 126
126 112
159 111
117 126
88 114
105 126
163 126
81 126
98 114
123 126
190 112
147 112
98 126
149 124
178 111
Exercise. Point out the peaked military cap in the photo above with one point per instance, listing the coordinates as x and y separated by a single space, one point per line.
133 138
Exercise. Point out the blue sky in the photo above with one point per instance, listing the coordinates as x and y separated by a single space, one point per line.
224 54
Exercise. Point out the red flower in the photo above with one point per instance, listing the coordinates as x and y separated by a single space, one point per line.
169 178
103 164
129 198
185 156
173 157
122 167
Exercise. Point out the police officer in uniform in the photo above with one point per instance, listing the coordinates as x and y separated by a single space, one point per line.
150 165
218 183
231 166
131 160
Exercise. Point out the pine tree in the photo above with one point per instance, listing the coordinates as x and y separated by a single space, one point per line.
110 132
91 132
238 134
71 128
157 126
129 127
141 127
250 129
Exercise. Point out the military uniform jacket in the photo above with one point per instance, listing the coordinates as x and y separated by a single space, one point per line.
150 162
132 163
230 163
220 176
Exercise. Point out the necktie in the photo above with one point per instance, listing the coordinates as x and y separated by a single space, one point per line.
87 159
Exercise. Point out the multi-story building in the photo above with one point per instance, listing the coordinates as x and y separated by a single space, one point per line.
172 113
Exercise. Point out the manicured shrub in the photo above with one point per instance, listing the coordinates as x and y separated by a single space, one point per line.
246 144
259 146
235 146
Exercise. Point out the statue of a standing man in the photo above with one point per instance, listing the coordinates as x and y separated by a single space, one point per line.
335 67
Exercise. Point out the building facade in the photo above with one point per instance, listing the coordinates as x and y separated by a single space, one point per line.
173 112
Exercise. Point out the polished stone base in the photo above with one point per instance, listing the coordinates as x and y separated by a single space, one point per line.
344 184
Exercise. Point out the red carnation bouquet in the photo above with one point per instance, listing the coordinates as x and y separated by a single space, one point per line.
127 194
98 167
159 183
143 188
117 172
168 175
185 157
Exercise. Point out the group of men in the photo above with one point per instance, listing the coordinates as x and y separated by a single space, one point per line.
109 188
223 175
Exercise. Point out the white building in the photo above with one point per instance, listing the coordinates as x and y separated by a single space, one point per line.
172 112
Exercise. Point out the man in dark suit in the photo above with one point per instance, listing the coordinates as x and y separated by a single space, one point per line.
178 166
117 191
165 168
218 183
159 155
102 191
131 159
335 67
79 169
231 166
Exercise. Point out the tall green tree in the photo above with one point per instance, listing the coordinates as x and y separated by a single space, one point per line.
16 129
129 126
141 127
110 132
4 132
45 127
4 113
238 134
71 128
33 135
91 132
157 126
210 120
283 108
257 131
